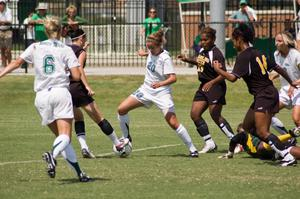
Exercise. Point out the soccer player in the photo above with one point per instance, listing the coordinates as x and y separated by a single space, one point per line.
156 89
53 62
257 148
288 57
82 98
212 90
253 67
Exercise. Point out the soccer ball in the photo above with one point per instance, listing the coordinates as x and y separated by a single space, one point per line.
125 151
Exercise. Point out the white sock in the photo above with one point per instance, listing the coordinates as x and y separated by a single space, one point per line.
207 138
227 132
82 142
278 125
124 124
60 144
185 137
70 156
114 138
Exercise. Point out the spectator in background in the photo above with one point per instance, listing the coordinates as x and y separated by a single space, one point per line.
5 33
298 25
245 14
29 34
196 43
152 23
71 21
288 27
38 20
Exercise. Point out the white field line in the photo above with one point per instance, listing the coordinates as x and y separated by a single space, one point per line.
99 155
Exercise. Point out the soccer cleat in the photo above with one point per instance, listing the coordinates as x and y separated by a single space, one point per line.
288 160
295 132
194 154
238 148
124 142
51 164
84 178
209 147
87 154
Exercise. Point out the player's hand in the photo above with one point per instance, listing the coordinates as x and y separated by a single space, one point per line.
90 91
228 155
86 45
181 57
155 85
207 86
291 91
142 52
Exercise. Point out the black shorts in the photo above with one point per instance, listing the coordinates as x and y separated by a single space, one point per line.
79 94
215 95
266 100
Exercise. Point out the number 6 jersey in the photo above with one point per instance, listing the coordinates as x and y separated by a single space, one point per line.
51 59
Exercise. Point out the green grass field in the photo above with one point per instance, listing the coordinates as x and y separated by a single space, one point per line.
158 166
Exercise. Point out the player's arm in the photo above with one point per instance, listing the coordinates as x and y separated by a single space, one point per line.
218 68
81 59
235 140
187 60
171 78
284 74
75 73
12 66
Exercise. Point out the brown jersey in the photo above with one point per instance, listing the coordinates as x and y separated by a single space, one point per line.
253 67
205 69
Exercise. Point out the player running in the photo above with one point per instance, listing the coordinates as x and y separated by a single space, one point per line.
53 62
212 90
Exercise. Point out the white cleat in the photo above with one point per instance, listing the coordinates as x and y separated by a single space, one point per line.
210 146
288 160
238 148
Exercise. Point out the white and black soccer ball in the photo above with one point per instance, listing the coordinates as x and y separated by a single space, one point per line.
127 149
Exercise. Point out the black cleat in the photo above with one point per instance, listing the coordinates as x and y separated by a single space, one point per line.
87 154
84 178
194 154
51 164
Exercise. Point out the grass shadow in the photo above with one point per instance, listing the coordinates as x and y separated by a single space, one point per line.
75 180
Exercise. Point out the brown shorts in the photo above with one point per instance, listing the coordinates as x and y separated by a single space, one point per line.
79 94
266 100
216 94
5 39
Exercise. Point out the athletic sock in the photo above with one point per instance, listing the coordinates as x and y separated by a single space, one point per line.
109 131
124 124
70 156
185 137
278 126
276 145
60 144
226 128
80 132
202 129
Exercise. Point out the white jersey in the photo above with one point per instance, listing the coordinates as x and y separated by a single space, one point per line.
290 63
157 69
51 60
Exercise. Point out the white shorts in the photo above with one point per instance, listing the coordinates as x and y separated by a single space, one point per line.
163 100
286 100
53 104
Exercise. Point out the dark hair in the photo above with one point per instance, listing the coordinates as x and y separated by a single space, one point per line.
75 34
243 31
210 32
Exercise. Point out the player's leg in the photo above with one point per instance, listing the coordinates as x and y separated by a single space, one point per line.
95 114
262 121
81 133
181 131
276 123
215 113
127 105
198 108
296 115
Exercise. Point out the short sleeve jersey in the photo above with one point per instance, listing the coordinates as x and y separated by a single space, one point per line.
290 63
253 67
50 59
205 69
151 25
157 69
39 29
